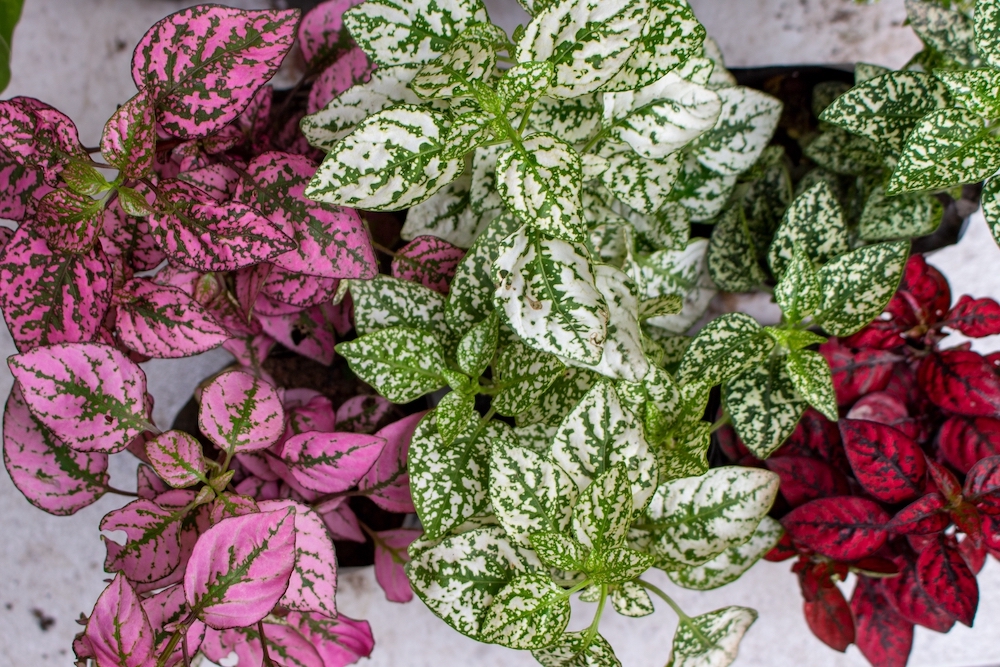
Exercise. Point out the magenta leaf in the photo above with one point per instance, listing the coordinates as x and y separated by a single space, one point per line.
341 641
322 36
218 181
313 584
286 647
975 317
240 413
20 189
907 596
152 549
307 332
163 322
38 136
965 440
148 483
362 414
856 373
946 577
49 296
231 504
249 282
350 69
925 516
982 485
887 463
299 289
829 617
961 381
129 139
429 261
165 610
250 351
340 520
177 458
132 236
331 462
842 528
331 242
804 479
240 568
51 475
118 631
197 231
203 65
387 483
91 396
309 410
390 556
883 636
68 222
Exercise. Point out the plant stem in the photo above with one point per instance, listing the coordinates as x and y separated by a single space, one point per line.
580 586
263 644
592 630
720 422
119 492
524 119
381 248
184 649
684 618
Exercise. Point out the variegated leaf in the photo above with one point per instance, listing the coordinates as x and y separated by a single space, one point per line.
521 375
240 413
900 217
947 30
729 565
727 346
559 551
602 515
990 199
559 399
856 287
452 413
428 261
717 640
177 459
385 302
478 346
471 57
746 123
630 599
152 548
798 292
987 30
764 405
732 257
129 137
644 185
699 189
814 222
164 322
810 374
578 649
483 196
529 493
448 215
530 612
411 368
524 82
683 272
330 462
573 120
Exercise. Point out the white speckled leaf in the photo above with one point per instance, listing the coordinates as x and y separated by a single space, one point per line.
746 123
732 257
642 184
385 302
729 565
483 189
620 564
603 513
764 406
522 375
987 29
700 190
949 31
856 287
530 612
844 153
724 628
476 348
797 293
990 198
452 413
900 217
727 346
668 228
448 215
471 57
811 378
630 599
573 650
529 493
402 364
560 399
559 551
470 298
524 82
573 120
548 294
683 272
813 222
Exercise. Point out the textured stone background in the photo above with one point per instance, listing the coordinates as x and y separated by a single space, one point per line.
75 55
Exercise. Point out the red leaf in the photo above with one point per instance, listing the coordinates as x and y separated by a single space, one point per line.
961 381
885 408
804 479
944 480
842 528
928 289
975 317
783 550
991 532
974 553
965 440
883 636
911 601
948 580
924 516
982 485
829 617
817 437
888 464
856 373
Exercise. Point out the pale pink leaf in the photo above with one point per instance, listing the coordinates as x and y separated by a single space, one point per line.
218 181
240 413
362 414
249 282
118 631
230 504
267 307
250 351
308 410
152 549
341 641
429 261
51 475
331 462
177 458
129 139
165 611
20 188
130 236
91 396
240 568
387 483
286 646
341 520
322 36
194 523
148 483
259 464
390 557
313 584
259 489
308 332
299 289
203 65
350 69
38 136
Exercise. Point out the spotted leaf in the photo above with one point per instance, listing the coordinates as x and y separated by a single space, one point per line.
163 322
843 528
471 57
726 347
810 375
177 458
813 222
644 185
947 30
729 565
470 297
118 631
387 482
240 413
522 375
412 370
530 612
745 125
130 137
797 293
152 549
857 286
577 649
390 302
717 641
448 215
428 261
903 216
340 641
330 462
602 515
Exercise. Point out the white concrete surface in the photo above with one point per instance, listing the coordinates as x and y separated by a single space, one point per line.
75 54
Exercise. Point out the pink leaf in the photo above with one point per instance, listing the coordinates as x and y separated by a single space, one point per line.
229 504
118 631
68 222
322 36
340 520
163 322
203 65
250 351
387 483
362 414
152 549
127 235
331 242
51 475
240 568
308 410
975 317
90 396
340 642
52 297
429 261
249 282
165 611
348 70
38 136
177 458
331 462
197 231
313 584
255 120
308 332
240 413
20 189
218 181
148 483
299 289
286 646
129 140
390 556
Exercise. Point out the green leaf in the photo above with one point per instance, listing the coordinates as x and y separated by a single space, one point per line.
700 190
948 31
537 437
663 117
886 108
987 32
856 287
80 176
901 217
587 41
844 153
990 198
577 649
946 148
385 302
973 89
815 223
746 123
459 577
694 519
717 640
795 339
548 294
798 293
668 304
764 406
388 86
811 378
10 13
619 564
524 82
133 203
560 398
471 57
558 551
530 612
397 32
539 182
726 347
729 565
573 120
412 370
449 483
642 184
477 347
865 71
604 511
732 256
448 215
391 161
529 493
666 228
630 599
523 374
452 414
685 452
824 93
468 132
483 193
470 297
599 433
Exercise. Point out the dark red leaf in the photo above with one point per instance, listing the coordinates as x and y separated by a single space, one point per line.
856 373
911 601
829 617
982 485
975 317
927 288
961 381
843 528
924 516
974 553
785 549
882 334
885 408
817 437
968 520
965 440
944 480
991 532
730 444
804 479
887 463
876 565
883 636
948 580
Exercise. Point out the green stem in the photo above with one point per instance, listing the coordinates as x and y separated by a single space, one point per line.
592 630
684 618
597 137
524 119
578 587
720 422
489 415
